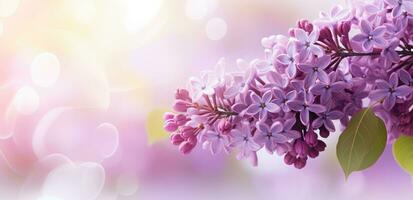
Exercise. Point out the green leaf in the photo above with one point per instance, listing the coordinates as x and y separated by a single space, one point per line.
362 143
403 153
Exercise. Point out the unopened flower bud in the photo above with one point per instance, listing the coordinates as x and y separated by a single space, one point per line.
321 146
300 163
301 148
289 159
311 138
176 139
186 147
324 132
180 119
180 106
224 126
168 115
312 153
182 94
187 131
170 126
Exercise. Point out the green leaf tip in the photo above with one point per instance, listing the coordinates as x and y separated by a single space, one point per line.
362 142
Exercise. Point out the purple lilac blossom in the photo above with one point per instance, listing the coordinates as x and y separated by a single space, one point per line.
321 72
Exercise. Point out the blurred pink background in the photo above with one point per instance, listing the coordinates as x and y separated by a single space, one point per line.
84 84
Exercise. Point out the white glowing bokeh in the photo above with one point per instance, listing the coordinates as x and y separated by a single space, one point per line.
1 28
45 69
8 7
85 11
75 181
26 100
48 198
216 29
198 9
138 13
267 164
126 184
106 140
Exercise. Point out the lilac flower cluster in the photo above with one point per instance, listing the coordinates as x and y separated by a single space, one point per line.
323 71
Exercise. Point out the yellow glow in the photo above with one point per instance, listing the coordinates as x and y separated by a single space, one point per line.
138 13
8 7
85 11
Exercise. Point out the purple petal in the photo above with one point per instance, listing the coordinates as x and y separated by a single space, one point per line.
291 95
326 96
216 146
396 11
278 138
253 146
253 109
263 114
380 42
261 138
310 79
231 91
284 59
279 94
378 94
318 89
316 108
365 27
276 127
381 84
316 50
306 68
255 98
394 80
367 45
323 62
378 31
389 102
304 116
239 107
295 105
403 91
301 35
338 86
317 123
361 37
291 70
313 37
263 128
405 77
267 96
289 123
408 6
272 107
291 48
335 114
329 125
323 76
293 134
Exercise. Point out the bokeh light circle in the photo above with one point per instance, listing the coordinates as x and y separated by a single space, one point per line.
26 100
106 139
139 13
198 9
216 29
126 184
45 69
75 181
